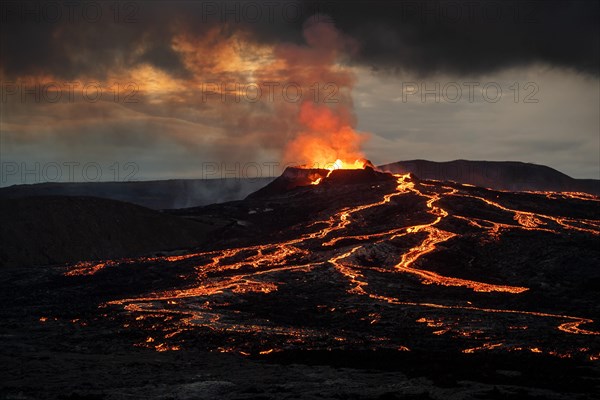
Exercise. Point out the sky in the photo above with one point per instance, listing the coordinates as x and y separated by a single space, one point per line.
208 89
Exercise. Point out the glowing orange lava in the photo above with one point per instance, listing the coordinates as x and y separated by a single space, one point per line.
328 139
336 241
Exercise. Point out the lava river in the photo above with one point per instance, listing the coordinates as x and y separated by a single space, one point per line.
403 266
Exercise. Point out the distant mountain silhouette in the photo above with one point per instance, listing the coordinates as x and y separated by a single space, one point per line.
52 230
158 195
186 193
500 175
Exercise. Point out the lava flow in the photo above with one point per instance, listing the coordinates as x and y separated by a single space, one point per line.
348 260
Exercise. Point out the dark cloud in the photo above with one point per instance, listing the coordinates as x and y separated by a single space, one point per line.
71 39
165 58
472 36
426 37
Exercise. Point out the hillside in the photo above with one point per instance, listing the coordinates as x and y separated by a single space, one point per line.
52 230
499 175
158 195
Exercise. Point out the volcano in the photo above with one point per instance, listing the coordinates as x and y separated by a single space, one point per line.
347 268
294 177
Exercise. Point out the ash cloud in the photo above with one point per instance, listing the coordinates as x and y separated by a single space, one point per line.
170 49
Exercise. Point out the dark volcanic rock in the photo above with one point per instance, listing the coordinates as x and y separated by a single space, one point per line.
357 177
291 178
294 177
50 230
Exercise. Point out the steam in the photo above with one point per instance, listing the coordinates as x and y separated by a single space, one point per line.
307 117
324 127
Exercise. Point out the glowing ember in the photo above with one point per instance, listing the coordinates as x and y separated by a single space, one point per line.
485 346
